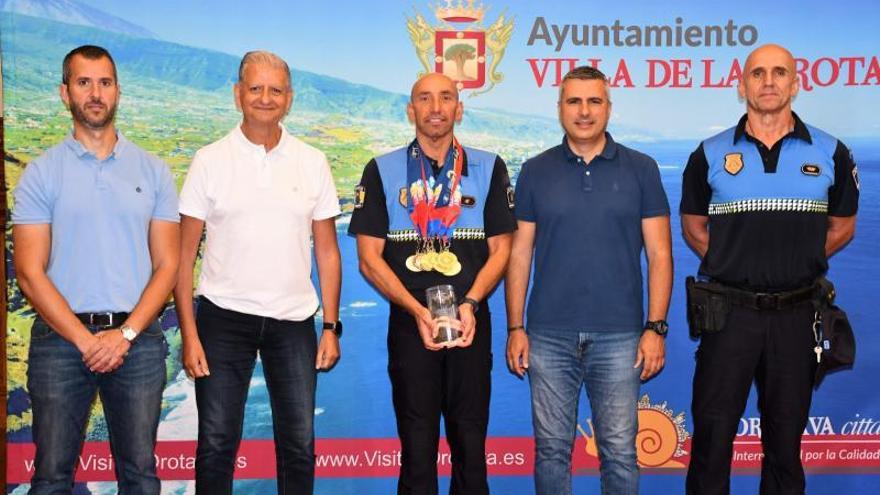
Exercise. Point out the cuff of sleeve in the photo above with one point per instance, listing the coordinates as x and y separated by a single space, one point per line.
192 212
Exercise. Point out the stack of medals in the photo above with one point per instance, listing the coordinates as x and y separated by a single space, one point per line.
434 206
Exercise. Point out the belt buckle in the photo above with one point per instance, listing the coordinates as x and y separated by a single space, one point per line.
764 300
107 317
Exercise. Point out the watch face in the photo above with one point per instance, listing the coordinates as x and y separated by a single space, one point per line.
660 327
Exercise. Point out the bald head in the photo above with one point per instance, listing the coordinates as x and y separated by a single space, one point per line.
769 81
433 82
434 108
770 52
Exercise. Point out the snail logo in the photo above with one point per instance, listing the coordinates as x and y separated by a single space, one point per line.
460 46
660 439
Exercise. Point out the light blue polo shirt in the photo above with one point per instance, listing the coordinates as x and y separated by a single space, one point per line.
100 213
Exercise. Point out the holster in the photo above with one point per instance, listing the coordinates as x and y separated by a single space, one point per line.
707 306
833 333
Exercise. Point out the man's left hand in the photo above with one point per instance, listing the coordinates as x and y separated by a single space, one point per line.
328 351
652 353
118 346
468 326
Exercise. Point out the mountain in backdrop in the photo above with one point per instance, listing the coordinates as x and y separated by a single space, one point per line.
33 48
73 12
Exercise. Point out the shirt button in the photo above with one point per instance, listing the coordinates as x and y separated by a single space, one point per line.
587 172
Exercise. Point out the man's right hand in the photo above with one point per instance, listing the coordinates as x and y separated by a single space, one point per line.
427 328
518 352
194 361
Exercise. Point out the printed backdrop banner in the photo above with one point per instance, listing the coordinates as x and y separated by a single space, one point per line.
673 68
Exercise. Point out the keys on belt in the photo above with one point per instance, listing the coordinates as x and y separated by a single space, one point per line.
103 320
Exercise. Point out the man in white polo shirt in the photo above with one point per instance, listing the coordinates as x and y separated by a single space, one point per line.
261 194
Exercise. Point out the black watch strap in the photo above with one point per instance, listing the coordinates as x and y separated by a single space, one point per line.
473 302
660 327
334 326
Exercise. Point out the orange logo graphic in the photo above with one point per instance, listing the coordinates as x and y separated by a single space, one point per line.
659 441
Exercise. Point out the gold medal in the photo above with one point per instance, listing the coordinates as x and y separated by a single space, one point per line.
446 258
453 270
413 263
444 261
428 261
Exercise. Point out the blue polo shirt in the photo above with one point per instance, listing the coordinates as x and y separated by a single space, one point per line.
100 213
588 240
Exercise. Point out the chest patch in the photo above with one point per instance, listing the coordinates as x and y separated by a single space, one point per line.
733 163
811 169
402 197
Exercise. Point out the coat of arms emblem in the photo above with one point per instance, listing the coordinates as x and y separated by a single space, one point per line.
460 46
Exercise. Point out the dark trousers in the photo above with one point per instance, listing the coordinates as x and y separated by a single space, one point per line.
287 348
452 382
775 349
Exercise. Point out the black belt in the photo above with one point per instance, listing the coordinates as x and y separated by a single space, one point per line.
104 320
769 300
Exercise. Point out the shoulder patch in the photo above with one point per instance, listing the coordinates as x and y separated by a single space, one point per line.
360 194
510 198
855 174
733 163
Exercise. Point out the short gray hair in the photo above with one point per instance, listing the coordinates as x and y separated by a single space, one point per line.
263 57
586 73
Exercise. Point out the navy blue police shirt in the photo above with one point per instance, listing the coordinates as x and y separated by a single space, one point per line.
588 236
381 211
768 208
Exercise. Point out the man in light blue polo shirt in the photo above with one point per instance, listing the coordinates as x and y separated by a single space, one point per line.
587 208
95 241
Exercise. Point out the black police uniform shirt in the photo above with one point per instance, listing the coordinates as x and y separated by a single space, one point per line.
768 208
487 210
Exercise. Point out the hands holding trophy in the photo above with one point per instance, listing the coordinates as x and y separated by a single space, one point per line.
449 327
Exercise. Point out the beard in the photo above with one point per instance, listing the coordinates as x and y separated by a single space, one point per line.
100 122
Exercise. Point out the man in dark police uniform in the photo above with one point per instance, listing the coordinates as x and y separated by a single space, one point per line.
778 196
428 214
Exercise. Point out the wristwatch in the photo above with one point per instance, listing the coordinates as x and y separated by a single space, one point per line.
128 333
473 302
335 327
660 327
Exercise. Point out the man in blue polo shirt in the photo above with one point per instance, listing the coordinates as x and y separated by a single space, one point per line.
587 208
96 240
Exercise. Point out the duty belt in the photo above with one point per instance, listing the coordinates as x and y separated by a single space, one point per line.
103 320
769 300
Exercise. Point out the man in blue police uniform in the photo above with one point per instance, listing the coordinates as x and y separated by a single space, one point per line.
428 214
95 241
764 204
586 209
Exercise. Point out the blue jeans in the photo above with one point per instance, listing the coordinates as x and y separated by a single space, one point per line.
559 364
288 350
62 390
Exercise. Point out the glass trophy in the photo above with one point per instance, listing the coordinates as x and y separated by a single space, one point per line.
444 309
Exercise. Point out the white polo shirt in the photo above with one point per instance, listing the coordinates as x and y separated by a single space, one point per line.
258 209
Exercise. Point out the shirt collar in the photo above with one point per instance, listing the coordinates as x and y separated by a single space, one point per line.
608 152
800 129
246 145
433 162
81 152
